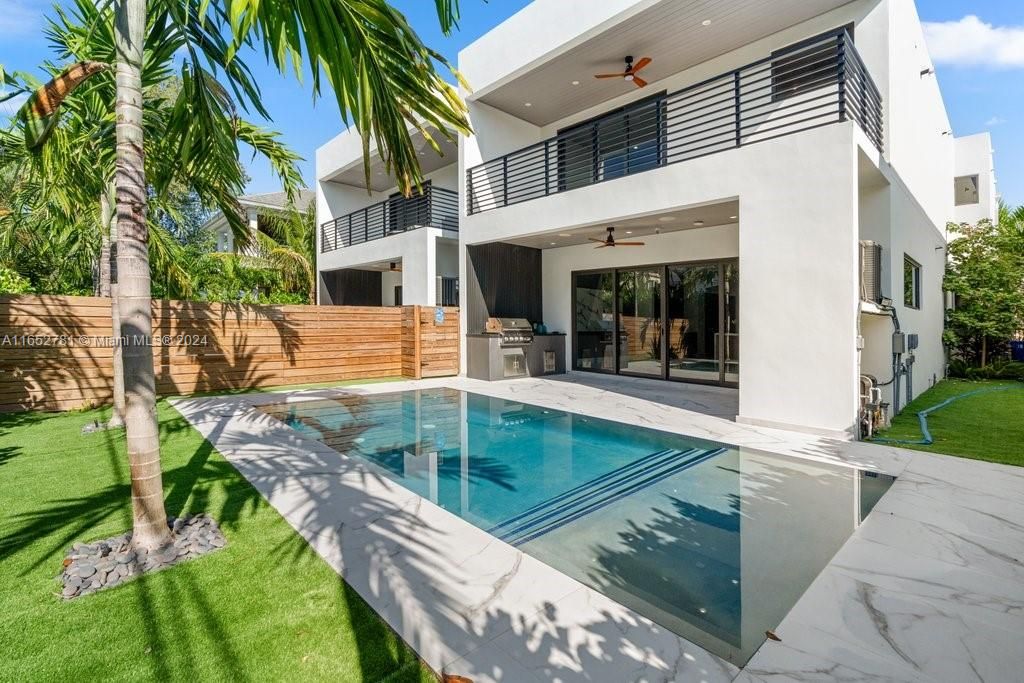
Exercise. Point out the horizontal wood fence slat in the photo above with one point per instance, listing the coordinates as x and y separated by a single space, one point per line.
55 351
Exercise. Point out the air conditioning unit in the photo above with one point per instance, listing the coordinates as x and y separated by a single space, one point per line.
871 271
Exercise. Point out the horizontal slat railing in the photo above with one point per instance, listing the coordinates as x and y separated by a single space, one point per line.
435 206
818 82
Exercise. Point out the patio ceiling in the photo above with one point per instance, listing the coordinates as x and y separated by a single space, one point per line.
691 218
380 180
671 32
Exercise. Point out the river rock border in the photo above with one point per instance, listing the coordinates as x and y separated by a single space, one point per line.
90 567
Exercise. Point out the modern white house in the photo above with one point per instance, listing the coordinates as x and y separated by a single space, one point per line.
376 247
784 171
665 184
254 207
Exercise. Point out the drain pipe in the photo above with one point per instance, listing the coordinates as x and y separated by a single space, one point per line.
897 366
910 377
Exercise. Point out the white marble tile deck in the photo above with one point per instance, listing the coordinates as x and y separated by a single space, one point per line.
929 588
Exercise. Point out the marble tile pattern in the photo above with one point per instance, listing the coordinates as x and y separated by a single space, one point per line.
929 588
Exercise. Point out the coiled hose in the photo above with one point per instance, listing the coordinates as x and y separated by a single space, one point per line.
922 417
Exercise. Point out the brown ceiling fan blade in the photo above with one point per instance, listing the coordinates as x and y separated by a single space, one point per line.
608 75
644 61
594 239
630 244
639 81
603 245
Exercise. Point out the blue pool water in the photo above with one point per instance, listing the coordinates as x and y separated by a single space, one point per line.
713 542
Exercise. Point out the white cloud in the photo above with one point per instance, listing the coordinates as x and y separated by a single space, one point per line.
995 121
19 17
973 42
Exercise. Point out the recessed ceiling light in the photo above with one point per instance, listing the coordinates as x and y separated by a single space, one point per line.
698 223
575 82
733 217
629 232
527 104
667 219
565 234
554 243
706 22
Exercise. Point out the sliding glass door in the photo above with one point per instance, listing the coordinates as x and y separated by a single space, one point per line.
693 322
594 301
640 340
676 321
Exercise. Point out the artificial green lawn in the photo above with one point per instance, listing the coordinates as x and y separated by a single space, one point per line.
265 608
988 426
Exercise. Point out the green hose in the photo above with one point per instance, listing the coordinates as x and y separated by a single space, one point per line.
922 417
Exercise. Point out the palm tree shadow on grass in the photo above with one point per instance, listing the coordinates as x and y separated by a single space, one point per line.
188 489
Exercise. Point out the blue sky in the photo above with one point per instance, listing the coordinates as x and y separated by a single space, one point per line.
978 45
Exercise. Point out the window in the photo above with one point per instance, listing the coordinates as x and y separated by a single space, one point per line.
911 282
965 189
805 70
617 143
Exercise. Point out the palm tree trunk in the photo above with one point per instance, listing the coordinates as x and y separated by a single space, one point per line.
107 288
106 217
149 528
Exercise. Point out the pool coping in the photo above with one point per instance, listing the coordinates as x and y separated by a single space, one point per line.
925 568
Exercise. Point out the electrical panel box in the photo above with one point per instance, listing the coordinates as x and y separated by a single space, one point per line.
899 342
912 342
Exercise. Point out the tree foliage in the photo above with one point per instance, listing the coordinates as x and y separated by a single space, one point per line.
985 273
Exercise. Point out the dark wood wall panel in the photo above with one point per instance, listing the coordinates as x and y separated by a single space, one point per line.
351 287
504 282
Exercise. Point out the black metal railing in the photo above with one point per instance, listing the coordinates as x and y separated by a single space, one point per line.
435 207
813 83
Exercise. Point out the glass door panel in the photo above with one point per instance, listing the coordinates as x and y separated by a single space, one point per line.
731 327
693 322
595 321
640 328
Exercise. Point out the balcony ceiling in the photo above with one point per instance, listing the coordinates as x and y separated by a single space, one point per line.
380 181
671 33
629 229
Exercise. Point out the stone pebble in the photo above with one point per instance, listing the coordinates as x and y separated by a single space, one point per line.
89 567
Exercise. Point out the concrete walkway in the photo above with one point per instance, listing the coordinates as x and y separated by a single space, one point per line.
930 587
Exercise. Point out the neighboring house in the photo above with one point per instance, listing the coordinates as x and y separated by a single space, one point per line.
770 141
254 206
376 247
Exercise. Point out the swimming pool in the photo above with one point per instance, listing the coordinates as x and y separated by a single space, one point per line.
714 542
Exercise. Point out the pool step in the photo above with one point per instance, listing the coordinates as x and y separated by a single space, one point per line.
598 493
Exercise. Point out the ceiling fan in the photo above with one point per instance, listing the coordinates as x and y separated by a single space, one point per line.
630 73
609 241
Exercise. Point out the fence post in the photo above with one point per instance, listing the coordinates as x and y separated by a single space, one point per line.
417 343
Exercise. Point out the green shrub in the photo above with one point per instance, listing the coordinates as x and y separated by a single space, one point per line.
958 368
1000 369
13 283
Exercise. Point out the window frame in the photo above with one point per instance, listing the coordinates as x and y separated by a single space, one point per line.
911 296
976 179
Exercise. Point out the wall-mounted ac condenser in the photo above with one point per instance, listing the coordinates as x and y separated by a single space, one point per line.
871 271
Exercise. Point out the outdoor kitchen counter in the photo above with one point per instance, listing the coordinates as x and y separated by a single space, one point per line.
486 357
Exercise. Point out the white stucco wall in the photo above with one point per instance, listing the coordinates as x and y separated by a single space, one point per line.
974 156
416 251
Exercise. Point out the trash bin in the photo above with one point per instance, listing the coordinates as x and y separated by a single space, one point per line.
1017 350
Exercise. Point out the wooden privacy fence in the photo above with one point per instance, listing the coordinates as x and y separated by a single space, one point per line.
56 352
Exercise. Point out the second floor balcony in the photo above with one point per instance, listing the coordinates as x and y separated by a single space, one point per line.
433 207
817 82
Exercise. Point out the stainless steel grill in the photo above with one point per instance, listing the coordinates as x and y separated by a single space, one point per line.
513 331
